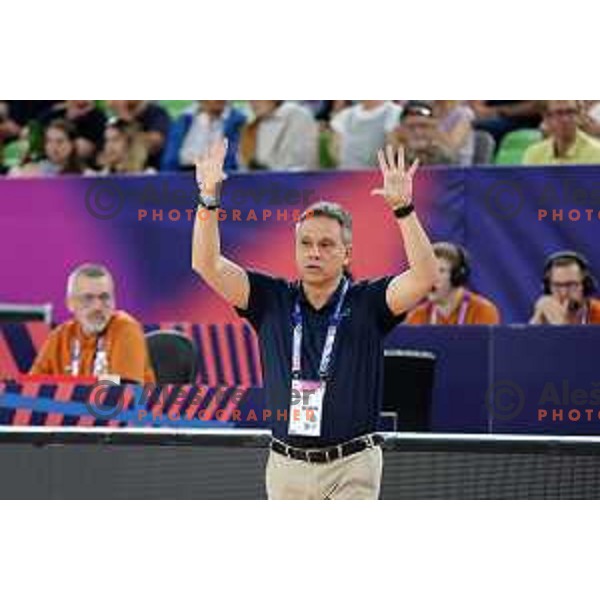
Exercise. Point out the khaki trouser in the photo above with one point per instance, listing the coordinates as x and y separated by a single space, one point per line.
354 477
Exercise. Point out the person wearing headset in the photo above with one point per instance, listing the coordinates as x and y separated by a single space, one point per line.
450 302
568 285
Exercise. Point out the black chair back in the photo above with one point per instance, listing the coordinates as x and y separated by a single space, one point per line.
173 356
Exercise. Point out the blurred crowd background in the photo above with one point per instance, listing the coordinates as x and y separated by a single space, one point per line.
56 137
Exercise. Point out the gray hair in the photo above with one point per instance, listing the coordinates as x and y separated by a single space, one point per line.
91 270
334 211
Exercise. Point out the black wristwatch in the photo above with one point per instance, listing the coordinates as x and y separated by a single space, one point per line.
209 202
403 211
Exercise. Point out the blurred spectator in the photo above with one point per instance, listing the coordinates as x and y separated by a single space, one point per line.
3 119
455 121
450 302
89 124
361 130
124 149
568 286
499 117
421 137
324 112
17 114
19 127
8 128
151 118
99 339
282 136
60 152
196 129
314 106
566 143
329 108
590 117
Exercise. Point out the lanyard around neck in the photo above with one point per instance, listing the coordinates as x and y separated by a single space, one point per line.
462 311
585 314
585 318
99 356
334 321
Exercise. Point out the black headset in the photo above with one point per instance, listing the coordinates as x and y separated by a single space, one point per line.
589 283
461 271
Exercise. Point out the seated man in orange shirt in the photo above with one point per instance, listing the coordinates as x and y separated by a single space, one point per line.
99 340
568 285
450 302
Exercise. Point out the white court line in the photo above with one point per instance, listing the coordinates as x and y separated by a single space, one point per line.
232 433
134 431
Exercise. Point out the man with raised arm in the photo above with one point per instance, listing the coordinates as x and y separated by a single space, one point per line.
321 337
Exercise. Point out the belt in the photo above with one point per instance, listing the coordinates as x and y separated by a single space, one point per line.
326 455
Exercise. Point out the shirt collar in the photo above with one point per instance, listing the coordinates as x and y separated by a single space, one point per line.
331 302
89 337
574 149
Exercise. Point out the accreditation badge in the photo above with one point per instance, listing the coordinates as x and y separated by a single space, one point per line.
306 407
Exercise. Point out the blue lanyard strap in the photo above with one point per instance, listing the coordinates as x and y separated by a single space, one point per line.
334 321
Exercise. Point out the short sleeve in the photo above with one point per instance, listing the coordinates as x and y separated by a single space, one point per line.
264 290
376 291
338 123
45 361
392 117
487 314
129 354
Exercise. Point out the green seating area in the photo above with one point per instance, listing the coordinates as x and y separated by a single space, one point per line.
514 144
13 152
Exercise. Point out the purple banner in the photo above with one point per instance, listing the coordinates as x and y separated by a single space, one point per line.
141 228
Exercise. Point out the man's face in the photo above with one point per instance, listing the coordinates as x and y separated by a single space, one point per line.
566 283
58 146
561 118
320 250
441 287
92 302
419 131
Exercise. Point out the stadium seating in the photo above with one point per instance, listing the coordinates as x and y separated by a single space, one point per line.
514 144
174 357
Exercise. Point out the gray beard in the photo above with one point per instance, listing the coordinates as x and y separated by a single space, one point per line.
94 329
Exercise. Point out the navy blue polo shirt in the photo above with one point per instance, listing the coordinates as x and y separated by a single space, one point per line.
354 392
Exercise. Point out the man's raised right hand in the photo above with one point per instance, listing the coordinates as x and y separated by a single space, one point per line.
209 168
